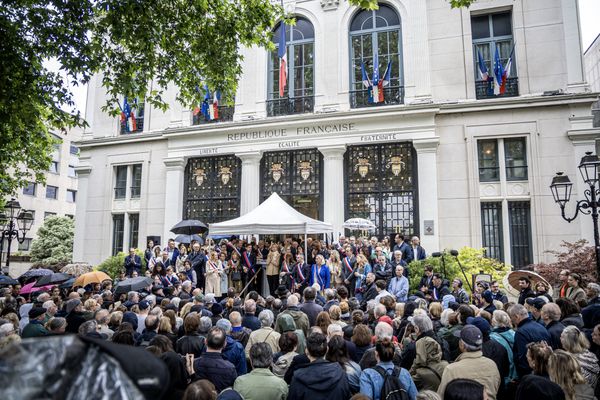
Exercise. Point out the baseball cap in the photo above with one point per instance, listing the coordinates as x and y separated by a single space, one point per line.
471 335
36 312
536 302
144 304
481 323
199 298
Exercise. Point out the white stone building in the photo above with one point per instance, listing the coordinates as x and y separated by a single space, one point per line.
440 157
57 197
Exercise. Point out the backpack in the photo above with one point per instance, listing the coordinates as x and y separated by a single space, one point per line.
392 389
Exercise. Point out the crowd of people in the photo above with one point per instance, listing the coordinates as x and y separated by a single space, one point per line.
340 323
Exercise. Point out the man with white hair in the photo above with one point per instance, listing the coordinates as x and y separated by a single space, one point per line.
383 330
265 333
471 364
102 317
551 317
292 309
51 310
527 331
423 329
233 350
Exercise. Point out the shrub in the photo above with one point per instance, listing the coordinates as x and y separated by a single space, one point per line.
114 265
577 257
472 260
54 242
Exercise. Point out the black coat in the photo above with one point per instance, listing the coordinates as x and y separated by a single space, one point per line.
319 380
311 309
215 368
555 329
190 344
74 321
251 322
525 293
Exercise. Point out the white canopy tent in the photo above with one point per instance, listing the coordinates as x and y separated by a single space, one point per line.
273 215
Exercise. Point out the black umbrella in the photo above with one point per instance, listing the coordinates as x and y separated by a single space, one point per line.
189 227
135 284
35 273
187 239
67 284
55 278
6 280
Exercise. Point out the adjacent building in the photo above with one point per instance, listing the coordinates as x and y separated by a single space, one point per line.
58 196
438 153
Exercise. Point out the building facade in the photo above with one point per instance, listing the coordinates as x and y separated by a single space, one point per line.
440 155
57 197
591 61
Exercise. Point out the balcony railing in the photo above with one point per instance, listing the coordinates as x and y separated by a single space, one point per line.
290 105
225 114
391 95
485 90
139 122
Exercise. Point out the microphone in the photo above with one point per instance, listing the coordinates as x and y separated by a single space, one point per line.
436 254
454 253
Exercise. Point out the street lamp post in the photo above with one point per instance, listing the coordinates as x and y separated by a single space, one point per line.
561 188
14 223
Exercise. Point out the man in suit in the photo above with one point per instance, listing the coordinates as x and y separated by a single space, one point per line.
401 246
300 274
198 260
133 262
348 266
426 283
250 268
416 252
173 253
398 260
440 288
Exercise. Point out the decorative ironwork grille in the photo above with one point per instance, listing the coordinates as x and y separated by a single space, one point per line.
381 185
291 173
491 229
212 188
519 217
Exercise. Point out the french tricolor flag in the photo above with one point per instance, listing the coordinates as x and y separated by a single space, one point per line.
282 53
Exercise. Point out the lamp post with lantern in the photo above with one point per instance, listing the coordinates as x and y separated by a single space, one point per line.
561 188
14 224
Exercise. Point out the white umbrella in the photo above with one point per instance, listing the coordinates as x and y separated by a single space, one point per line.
359 224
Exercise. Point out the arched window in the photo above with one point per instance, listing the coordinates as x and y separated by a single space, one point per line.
374 33
299 90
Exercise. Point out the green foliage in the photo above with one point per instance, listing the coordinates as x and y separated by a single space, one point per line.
54 243
472 260
114 265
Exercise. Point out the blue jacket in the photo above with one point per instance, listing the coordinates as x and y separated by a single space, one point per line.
399 288
215 368
371 382
323 277
528 331
234 353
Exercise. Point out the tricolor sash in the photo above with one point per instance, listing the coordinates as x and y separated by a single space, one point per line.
247 261
299 269
234 248
213 266
285 267
347 264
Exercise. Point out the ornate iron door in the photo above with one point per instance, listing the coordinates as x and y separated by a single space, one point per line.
212 188
381 185
295 175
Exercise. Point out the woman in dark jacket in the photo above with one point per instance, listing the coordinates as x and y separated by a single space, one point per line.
570 312
192 342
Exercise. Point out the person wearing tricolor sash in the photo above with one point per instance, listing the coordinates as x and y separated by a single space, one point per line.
348 267
286 276
301 273
214 270
249 267
319 273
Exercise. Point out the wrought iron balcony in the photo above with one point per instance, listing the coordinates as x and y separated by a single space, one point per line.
391 95
485 90
290 105
139 126
225 114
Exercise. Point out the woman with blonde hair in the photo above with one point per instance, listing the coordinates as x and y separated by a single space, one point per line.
565 371
156 256
335 268
435 311
185 310
214 270
574 342
360 272
272 269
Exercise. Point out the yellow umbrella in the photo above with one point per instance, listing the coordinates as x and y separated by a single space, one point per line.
91 277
